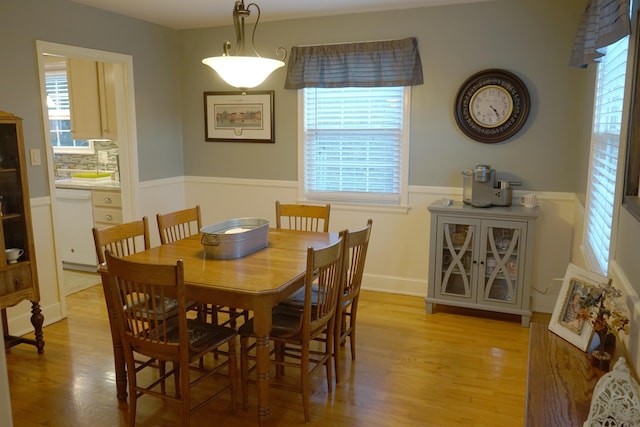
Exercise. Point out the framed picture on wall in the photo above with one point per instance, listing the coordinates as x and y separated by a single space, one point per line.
235 117
566 320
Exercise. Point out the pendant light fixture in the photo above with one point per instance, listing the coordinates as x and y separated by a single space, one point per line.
239 70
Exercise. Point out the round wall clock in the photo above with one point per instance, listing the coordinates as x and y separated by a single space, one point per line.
492 106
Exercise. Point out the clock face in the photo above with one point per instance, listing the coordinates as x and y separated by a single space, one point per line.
492 106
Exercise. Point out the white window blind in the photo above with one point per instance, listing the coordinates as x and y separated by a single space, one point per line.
354 144
605 141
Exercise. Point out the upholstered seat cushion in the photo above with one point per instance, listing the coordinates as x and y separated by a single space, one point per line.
285 322
201 335
166 308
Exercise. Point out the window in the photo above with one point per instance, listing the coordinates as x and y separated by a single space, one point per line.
605 141
355 144
59 112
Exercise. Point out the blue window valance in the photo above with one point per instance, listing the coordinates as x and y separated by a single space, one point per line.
603 22
364 64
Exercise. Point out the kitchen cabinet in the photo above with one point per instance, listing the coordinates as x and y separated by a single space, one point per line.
107 207
481 258
18 279
92 99
107 93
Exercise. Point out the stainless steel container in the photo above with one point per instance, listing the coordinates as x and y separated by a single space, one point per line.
482 173
235 238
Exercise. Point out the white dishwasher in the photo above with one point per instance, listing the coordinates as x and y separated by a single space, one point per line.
75 221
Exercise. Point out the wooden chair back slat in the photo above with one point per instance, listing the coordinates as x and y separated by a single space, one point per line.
302 217
122 239
179 225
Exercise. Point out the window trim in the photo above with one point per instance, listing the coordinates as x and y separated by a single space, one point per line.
618 192
630 195
402 203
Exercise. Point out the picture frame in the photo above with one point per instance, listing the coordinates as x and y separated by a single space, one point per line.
564 321
236 117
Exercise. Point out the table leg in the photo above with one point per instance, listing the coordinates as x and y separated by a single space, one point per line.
118 353
262 327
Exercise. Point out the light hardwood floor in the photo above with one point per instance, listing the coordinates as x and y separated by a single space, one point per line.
454 367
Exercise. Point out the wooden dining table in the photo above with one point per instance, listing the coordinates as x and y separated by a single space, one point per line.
255 282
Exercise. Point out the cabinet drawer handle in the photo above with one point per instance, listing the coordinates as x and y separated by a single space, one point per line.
108 217
107 200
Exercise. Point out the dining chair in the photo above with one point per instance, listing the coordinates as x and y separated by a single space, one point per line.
302 217
292 331
147 330
122 240
179 225
356 245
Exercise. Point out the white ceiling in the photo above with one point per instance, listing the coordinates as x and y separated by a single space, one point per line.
189 14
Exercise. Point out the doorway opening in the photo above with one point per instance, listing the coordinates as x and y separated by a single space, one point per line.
80 162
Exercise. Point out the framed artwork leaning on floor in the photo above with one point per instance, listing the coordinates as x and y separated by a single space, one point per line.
566 321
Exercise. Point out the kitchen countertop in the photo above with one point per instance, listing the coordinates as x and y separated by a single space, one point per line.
83 185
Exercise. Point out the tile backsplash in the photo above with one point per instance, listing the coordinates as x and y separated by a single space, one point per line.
64 163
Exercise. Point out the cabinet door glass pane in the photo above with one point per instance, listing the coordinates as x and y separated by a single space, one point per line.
457 244
501 264
11 206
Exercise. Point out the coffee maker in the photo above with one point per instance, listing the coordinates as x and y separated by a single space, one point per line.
479 188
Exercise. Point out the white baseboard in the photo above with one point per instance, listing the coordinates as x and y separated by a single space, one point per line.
394 285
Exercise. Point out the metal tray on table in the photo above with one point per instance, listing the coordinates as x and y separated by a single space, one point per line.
235 238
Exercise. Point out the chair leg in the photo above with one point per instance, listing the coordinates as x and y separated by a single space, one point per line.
233 374
244 371
336 358
185 394
329 353
232 317
304 379
133 396
352 341
162 368
214 314
279 356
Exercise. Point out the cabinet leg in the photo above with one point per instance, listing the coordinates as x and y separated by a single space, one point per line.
37 320
429 307
525 321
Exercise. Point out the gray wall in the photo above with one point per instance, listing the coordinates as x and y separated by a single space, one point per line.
530 38
156 68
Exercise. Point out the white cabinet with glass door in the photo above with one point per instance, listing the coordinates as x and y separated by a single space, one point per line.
481 258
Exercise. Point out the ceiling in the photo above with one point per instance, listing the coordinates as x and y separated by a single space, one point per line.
189 14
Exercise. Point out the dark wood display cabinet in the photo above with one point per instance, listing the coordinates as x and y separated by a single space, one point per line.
18 277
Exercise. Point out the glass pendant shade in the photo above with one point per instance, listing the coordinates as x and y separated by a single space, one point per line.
239 70
243 72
